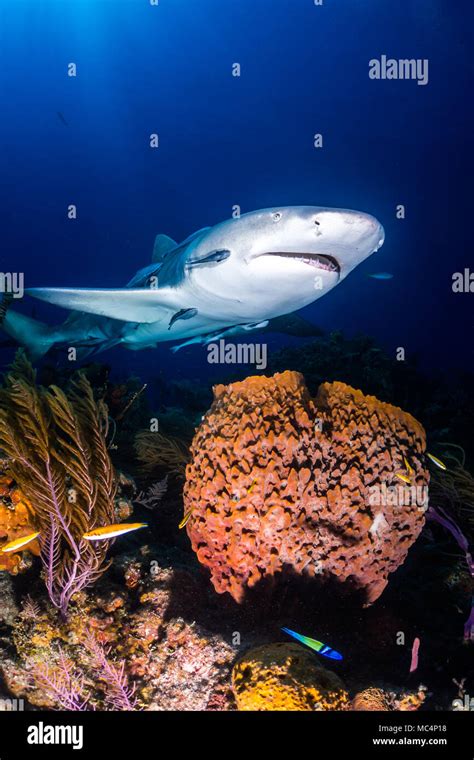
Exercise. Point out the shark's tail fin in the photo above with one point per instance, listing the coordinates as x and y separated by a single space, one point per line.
35 336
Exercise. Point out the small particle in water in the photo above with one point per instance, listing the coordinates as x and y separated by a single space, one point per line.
381 276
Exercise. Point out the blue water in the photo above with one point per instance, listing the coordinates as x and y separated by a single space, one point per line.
245 141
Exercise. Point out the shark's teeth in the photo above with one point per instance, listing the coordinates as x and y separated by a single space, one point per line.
316 260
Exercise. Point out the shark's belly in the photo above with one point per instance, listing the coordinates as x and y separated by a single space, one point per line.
161 331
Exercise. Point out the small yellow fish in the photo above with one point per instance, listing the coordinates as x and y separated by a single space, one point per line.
112 531
405 478
185 519
436 461
19 543
249 491
408 466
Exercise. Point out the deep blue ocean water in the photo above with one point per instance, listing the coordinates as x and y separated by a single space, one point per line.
246 141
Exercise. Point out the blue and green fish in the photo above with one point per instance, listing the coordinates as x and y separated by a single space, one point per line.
317 646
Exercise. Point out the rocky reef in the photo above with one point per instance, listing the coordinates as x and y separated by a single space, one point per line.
299 503
280 480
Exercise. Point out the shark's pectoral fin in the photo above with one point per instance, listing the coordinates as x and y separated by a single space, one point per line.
129 305
143 278
182 314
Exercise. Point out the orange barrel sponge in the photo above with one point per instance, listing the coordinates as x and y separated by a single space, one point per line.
334 486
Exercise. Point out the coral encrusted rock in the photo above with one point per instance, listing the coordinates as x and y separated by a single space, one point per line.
16 520
371 700
285 677
334 486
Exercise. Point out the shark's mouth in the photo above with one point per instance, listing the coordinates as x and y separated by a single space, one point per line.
316 260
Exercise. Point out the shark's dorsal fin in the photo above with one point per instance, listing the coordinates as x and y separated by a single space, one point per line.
128 305
163 245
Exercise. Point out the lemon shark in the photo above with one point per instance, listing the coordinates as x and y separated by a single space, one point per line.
243 275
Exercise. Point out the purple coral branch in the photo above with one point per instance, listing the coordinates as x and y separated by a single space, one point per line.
66 688
437 514
119 693
80 573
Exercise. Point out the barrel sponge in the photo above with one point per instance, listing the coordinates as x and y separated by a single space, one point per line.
278 480
285 677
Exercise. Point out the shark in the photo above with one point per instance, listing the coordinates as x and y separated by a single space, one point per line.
243 275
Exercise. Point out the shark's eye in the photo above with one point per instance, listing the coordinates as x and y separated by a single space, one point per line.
276 216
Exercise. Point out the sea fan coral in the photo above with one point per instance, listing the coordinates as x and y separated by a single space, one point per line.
278 480
56 444
155 450
64 684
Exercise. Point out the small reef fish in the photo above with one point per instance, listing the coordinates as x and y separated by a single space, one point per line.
19 543
112 531
249 491
381 276
185 519
317 646
408 466
436 461
403 477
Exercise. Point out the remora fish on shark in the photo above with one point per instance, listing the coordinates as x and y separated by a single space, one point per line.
234 277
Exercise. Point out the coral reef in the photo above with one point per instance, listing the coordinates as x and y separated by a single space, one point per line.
371 700
285 677
280 480
377 699
57 451
8 605
16 520
123 646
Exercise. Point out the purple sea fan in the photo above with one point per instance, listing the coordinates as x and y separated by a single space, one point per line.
30 610
437 514
58 454
64 684
151 498
119 694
